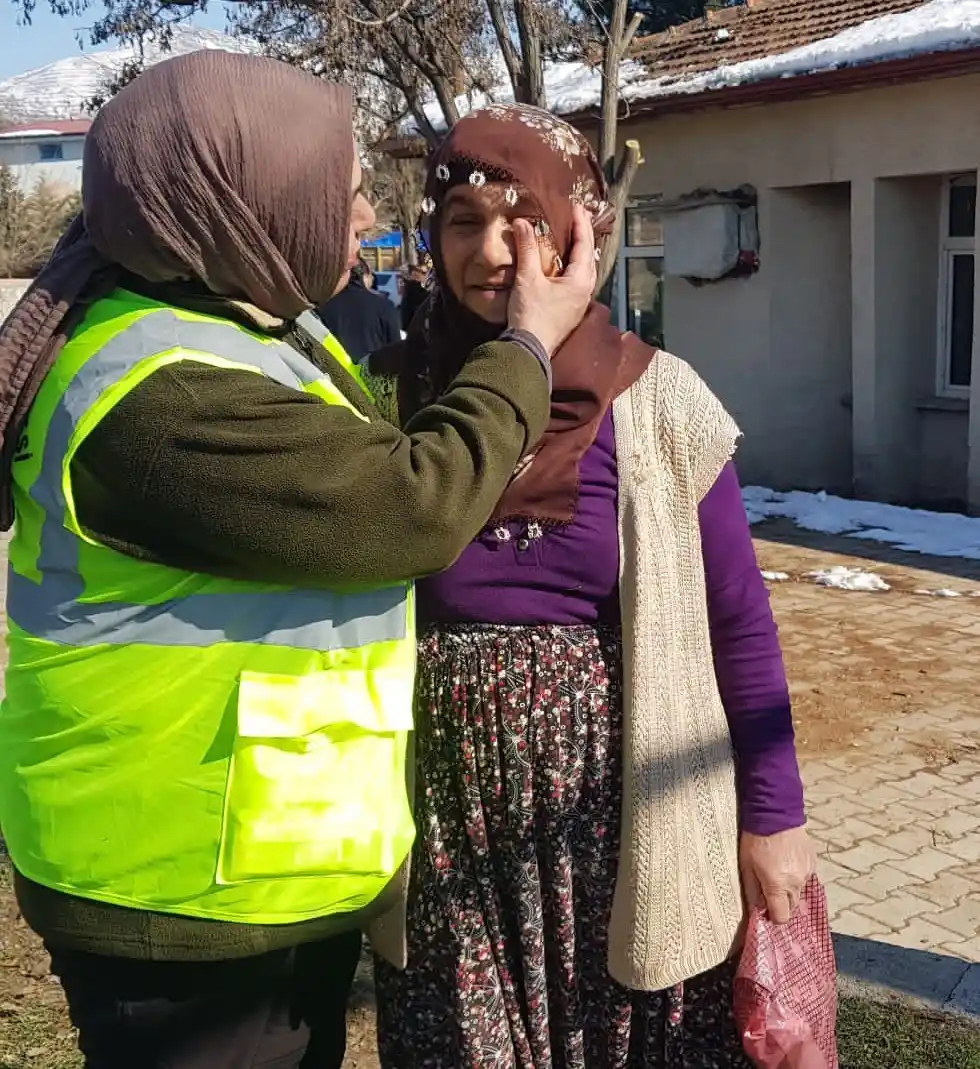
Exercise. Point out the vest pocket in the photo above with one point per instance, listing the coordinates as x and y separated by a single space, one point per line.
316 784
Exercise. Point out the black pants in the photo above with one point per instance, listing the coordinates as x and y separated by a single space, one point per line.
283 1010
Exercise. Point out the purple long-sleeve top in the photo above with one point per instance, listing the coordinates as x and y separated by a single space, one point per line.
570 576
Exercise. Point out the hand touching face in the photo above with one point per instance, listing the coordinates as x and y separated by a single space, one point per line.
477 247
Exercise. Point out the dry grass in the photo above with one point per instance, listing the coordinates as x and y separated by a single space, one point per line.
30 224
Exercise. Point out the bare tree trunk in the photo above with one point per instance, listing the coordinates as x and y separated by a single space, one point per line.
629 163
619 174
406 224
416 109
528 33
426 129
407 40
447 100
512 61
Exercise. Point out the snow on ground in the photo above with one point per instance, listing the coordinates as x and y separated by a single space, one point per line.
940 534
843 578
775 577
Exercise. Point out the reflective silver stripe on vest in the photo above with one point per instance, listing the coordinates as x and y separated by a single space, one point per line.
310 325
304 619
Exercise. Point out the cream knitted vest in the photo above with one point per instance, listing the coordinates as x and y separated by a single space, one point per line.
678 903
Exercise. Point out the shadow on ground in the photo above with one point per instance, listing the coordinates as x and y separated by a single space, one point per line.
930 980
785 532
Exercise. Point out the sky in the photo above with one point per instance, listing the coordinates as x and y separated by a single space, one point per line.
48 38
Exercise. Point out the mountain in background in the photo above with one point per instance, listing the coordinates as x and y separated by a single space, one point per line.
60 90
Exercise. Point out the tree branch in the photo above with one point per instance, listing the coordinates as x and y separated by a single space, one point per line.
383 20
631 31
414 106
630 162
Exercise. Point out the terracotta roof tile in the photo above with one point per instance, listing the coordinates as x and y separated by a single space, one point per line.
755 30
53 126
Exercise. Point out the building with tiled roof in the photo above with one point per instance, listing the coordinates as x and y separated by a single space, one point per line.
45 150
46 128
768 49
755 30
833 303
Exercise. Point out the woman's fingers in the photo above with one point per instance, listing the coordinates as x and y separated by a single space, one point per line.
775 869
528 268
551 308
780 907
582 257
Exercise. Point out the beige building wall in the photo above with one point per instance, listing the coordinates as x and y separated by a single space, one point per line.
23 157
827 356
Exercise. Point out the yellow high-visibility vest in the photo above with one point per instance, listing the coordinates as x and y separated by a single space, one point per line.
175 742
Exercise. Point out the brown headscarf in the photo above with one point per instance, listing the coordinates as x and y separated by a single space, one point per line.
551 165
229 171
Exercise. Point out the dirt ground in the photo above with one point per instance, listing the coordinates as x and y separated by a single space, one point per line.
862 667
34 1029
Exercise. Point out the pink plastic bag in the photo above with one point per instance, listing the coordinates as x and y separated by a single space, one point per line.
786 988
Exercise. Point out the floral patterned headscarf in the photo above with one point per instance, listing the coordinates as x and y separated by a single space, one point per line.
542 162
539 158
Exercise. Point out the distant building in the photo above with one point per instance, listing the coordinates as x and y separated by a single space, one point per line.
45 151
383 251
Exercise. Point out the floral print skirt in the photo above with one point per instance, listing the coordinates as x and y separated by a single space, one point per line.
518 796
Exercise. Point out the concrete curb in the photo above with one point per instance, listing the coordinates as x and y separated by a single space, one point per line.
965 999
916 978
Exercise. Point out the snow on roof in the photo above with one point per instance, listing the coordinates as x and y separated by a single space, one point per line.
46 128
755 29
30 133
568 86
937 26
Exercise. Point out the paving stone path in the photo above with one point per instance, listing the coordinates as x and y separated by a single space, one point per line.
887 695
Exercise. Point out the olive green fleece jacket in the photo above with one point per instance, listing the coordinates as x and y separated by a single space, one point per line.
232 474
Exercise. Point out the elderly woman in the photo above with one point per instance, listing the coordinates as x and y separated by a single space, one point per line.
605 760
209 691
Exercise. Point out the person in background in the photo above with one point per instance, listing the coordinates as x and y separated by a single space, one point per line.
414 294
361 320
605 759
208 703
367 275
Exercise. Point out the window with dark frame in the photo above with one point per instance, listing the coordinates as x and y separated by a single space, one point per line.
50 151
960 331
957 285
638 290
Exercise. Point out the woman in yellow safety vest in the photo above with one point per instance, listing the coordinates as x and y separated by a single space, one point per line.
203 782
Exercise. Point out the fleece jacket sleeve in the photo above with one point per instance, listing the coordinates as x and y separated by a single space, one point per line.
232 474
